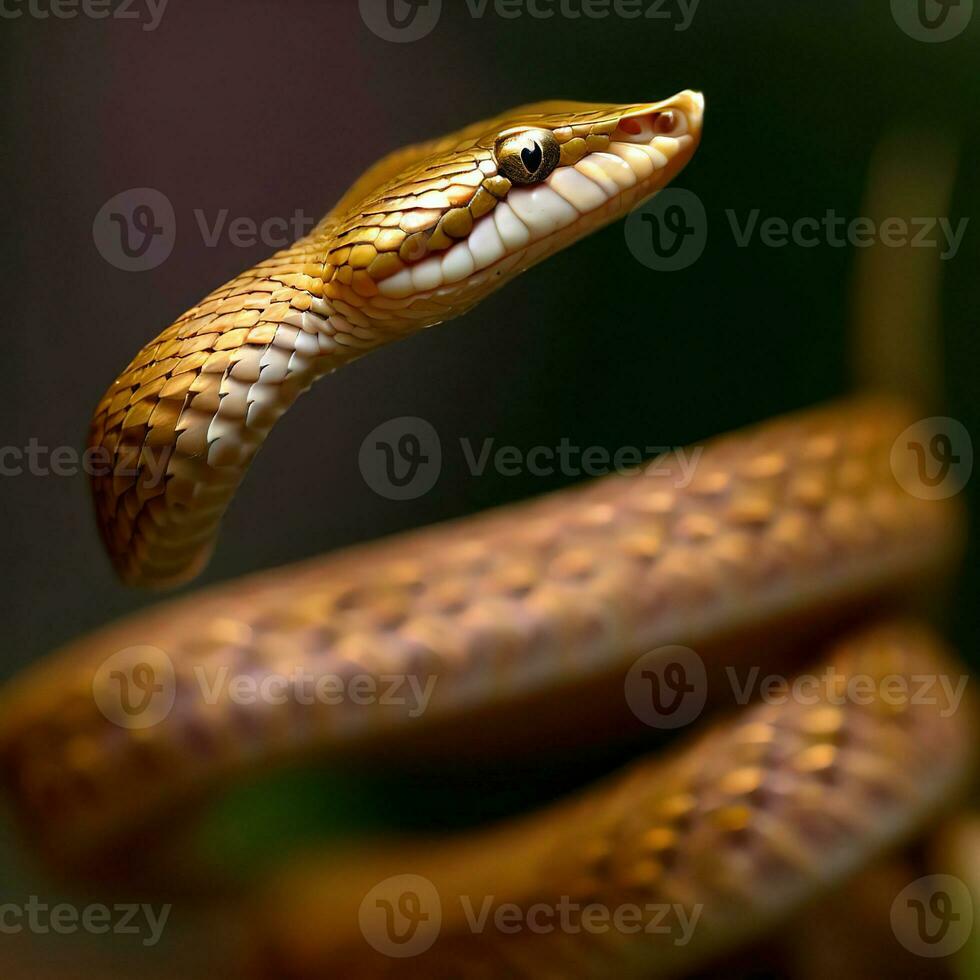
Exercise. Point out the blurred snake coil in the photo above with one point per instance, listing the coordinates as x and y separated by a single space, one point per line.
794 539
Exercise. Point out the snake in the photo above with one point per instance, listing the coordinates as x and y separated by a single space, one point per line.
796 544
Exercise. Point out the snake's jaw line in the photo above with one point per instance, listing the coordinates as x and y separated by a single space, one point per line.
423 236
605 168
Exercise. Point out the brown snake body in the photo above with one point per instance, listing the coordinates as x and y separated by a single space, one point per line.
525 620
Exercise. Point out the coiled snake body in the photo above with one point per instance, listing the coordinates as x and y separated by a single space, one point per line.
527 618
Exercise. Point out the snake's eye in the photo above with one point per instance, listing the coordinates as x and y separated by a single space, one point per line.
528 157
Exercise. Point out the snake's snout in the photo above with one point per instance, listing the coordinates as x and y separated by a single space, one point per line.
670 126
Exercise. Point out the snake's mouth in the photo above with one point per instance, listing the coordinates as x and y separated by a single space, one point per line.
647 148
551 177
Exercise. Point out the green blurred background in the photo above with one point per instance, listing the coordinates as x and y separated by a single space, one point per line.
261 108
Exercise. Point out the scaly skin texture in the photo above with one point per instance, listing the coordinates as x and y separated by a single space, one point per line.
522 623
731 832
418 240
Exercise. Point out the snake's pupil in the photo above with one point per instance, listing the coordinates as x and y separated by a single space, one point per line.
531 157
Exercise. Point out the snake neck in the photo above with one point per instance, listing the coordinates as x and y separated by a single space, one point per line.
178 428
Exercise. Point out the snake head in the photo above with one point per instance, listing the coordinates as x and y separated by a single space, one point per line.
468 212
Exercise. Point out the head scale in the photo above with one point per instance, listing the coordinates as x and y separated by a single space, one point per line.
481 205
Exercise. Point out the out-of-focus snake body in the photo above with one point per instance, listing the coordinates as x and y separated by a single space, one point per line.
527 619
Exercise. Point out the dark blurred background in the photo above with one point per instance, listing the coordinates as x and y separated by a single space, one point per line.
262 108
